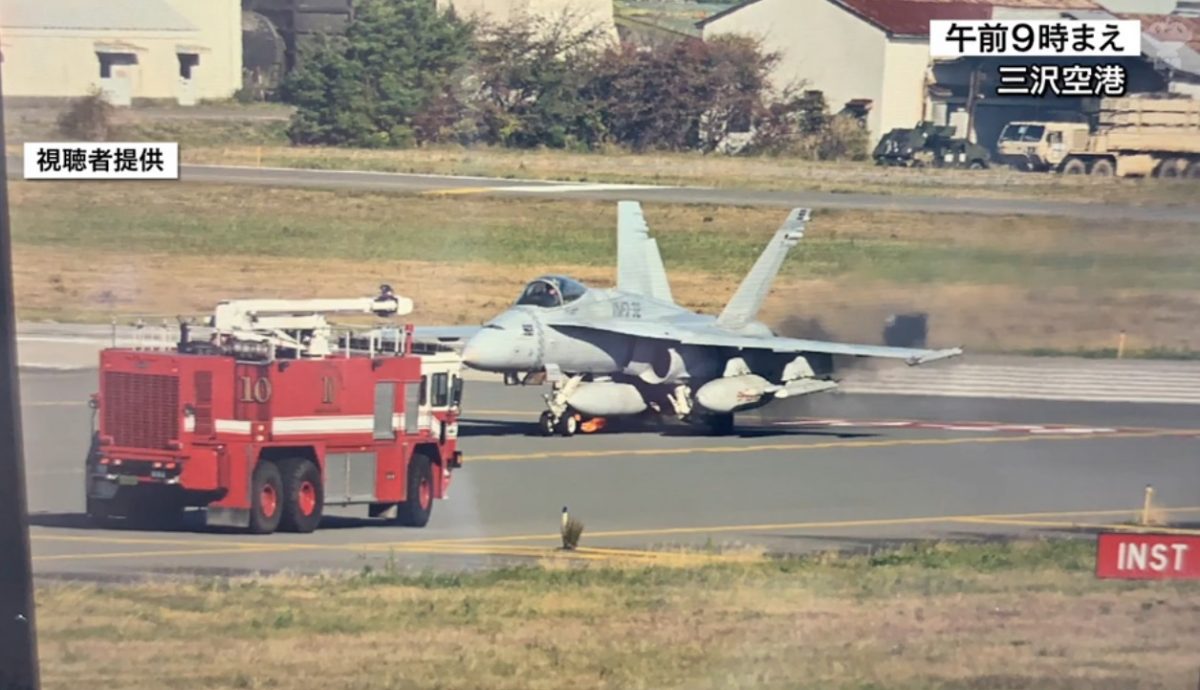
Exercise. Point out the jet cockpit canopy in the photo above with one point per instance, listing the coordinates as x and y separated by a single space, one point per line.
551 291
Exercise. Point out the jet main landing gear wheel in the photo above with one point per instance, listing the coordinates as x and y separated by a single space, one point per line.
568 425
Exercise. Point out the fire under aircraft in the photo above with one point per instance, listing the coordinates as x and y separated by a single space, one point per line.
631 349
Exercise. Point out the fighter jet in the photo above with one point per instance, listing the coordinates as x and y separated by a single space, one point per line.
632 349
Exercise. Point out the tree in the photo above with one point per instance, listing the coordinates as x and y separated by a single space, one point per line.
371 87
685 95
531 78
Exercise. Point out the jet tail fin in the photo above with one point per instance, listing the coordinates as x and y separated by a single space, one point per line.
639 264
744 305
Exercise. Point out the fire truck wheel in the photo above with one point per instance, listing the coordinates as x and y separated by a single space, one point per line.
266 498
418 504
304 496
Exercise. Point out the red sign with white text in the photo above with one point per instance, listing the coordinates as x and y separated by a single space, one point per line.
1148 556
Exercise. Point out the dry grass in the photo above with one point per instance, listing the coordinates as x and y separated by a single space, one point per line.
91 251
230 134
961 617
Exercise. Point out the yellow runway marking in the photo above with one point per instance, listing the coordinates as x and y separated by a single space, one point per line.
146 540
1079 525
503 545
823 445
835 524
167 552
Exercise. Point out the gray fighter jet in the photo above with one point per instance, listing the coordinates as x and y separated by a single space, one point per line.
632 349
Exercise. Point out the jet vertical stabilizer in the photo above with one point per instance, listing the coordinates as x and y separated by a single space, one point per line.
743 307
639 264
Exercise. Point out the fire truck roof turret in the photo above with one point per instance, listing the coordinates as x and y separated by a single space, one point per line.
299 324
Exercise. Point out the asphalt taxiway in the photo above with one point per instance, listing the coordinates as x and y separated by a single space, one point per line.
831 471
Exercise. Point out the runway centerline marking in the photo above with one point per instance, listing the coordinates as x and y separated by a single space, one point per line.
820 445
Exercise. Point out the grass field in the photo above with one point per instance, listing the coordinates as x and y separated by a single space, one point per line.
89 251
992 615
232 134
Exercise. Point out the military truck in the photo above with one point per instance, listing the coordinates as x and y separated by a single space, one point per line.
1136 136
929 145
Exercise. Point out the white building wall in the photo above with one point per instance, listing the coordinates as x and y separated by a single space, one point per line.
219 23
40 63
822 45
906 64
62 63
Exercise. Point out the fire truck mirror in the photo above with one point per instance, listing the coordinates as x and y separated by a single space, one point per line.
456 392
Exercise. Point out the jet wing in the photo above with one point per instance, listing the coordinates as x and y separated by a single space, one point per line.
711 337
444 334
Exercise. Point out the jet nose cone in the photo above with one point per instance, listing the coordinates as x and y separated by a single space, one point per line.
487 350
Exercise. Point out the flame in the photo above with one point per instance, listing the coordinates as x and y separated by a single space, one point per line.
592 425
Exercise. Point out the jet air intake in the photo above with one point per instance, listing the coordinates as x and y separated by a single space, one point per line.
655 363
607 399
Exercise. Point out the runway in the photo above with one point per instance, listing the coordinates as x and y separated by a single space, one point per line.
463 185
832 471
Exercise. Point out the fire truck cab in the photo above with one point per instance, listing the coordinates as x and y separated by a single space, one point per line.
272 415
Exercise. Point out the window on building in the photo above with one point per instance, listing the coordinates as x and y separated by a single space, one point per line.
187 62
110 60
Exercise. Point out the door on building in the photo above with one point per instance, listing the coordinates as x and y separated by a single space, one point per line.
118 72
188 64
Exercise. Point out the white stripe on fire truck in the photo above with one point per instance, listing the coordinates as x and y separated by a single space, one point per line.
231 426
341 424
326 424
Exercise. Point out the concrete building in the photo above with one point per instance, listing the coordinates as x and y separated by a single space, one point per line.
874 51
169 50
585 13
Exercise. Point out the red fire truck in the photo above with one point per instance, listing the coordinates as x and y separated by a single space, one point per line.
270 416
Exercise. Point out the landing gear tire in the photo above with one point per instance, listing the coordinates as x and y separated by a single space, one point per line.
303 496
568 425
721 424
266 498
546 424
418 503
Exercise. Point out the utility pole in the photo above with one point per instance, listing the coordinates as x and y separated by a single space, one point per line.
18 637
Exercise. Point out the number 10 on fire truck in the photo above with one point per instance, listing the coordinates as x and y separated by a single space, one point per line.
268 414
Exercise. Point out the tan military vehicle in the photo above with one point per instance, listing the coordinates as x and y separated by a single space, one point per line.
1134 136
